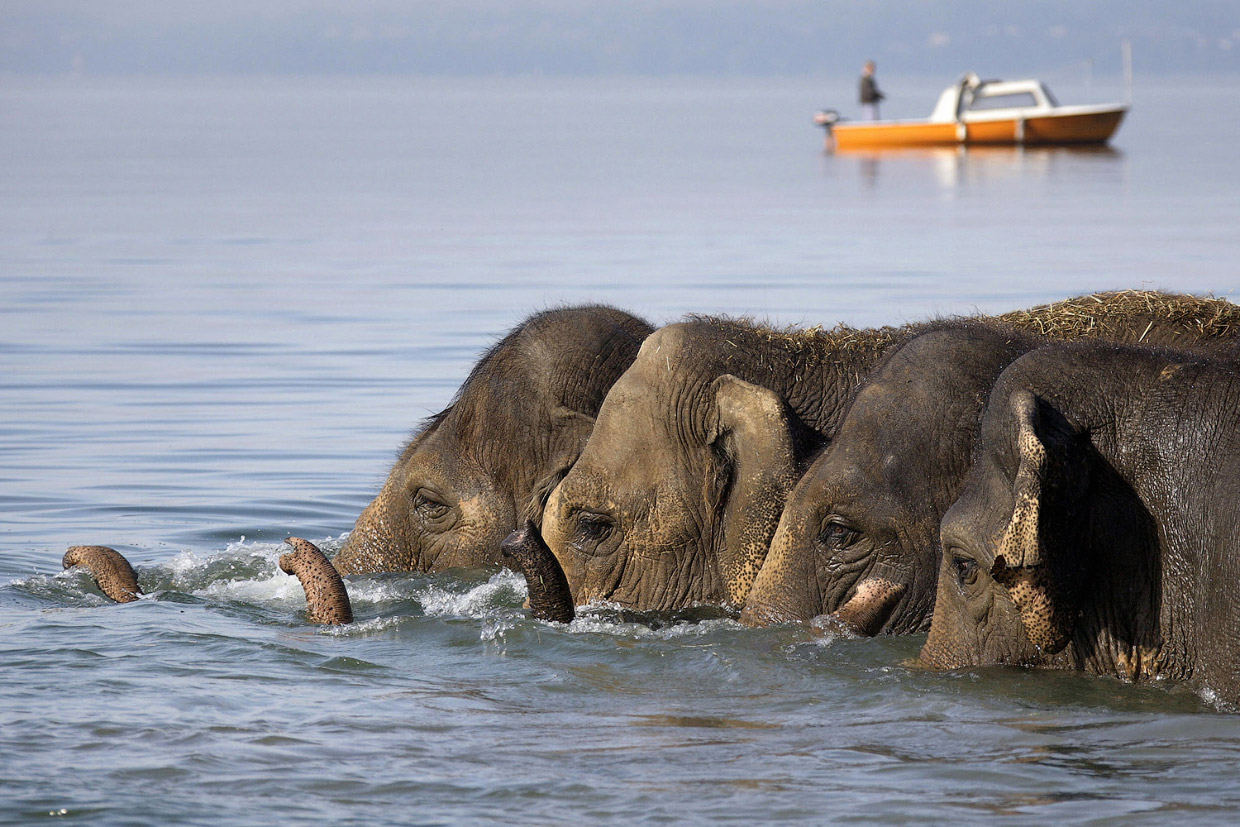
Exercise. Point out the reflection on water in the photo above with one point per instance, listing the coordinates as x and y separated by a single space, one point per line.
959 165
697 721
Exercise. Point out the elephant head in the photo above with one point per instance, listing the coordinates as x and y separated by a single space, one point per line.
839 544
1016 545
858 538
488 462
680 487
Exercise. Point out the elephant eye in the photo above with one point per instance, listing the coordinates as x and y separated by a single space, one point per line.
593 528
836 534
427 505
966 570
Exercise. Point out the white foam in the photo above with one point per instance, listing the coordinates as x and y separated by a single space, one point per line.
363 627
1212 698
587 623
480 601
278 587
375 591
494 628
183 563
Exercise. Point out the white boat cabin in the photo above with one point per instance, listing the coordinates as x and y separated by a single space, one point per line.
974 99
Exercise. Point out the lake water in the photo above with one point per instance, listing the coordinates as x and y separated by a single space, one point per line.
225 303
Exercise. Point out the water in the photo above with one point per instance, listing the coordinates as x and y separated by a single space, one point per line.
225 303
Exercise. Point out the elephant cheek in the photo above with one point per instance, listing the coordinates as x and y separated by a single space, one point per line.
954 639
379 542
768 602
1032 590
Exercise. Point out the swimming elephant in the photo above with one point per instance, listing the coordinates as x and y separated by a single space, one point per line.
858 538
678 494
1097 528
486 463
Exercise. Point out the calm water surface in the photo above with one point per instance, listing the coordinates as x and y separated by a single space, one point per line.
225 303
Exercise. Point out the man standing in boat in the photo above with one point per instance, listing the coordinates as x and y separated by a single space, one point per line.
869 92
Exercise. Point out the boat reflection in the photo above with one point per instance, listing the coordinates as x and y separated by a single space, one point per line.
952 166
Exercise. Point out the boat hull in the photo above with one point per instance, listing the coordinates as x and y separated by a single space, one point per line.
1091 127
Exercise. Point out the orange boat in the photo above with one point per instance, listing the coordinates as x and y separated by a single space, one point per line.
975 111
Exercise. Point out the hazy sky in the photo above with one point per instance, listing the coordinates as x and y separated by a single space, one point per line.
514 37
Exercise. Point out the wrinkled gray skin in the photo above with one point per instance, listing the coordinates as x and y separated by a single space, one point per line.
678 494
485 464
1097 528
674 500
869 507
858 538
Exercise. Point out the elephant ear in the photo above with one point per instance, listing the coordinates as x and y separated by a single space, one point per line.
1038 555
755 470
569 432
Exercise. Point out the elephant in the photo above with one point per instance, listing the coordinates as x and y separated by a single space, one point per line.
1096 529
858 538
674 500
679 491
480 467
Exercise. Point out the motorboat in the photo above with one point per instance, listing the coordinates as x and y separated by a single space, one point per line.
976 111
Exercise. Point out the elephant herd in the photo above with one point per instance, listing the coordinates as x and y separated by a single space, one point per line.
1052 487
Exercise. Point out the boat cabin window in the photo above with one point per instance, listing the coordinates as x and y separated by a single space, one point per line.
1009 101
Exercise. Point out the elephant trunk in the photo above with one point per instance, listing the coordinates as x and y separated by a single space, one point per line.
378 541
765 614
550 598
868 609
327 601
1034 593
116 578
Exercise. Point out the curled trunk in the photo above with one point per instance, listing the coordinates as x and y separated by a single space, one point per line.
327 601
548 588
116 578
868 609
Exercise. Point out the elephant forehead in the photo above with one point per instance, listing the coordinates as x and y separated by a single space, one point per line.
838 480
444 465
631 464
632 417
485 507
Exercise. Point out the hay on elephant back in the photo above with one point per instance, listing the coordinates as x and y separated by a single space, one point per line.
795 340
1110 315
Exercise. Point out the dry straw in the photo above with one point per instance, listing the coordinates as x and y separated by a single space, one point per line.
1110 315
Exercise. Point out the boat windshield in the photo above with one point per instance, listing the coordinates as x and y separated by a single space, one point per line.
1012 100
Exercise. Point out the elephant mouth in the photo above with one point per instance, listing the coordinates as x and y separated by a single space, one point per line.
868 609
